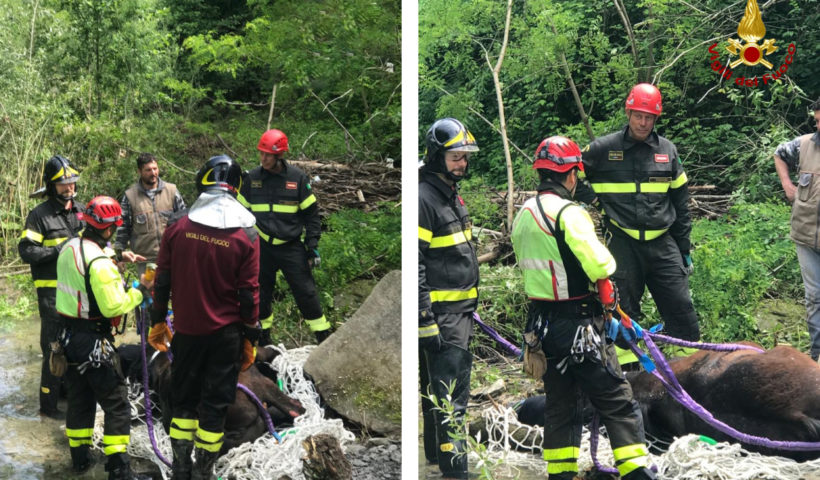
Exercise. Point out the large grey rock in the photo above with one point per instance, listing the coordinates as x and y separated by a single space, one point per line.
357 370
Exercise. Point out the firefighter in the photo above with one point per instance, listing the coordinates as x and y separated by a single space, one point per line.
561 257
448 290
48 227
216 307
281 198
90 297
642 188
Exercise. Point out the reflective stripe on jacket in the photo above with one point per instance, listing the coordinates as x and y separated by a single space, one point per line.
558 266
641 185
107 298
448 267
284 205
48 226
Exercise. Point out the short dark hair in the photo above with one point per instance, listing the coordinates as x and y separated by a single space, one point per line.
816 105
145 158
557 177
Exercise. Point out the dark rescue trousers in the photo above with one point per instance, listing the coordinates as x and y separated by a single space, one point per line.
291 258
599 378
204 376
104 385
51 324
656 264
438 370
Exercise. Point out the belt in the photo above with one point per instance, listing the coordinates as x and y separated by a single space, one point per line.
584 308
92 325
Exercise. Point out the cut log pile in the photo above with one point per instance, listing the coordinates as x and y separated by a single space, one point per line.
360 186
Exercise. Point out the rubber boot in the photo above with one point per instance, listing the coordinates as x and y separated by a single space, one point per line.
642 473
429 427
204 462
81 458
183 463
448 364
117 470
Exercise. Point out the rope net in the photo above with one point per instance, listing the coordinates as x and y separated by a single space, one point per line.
513 446
263 459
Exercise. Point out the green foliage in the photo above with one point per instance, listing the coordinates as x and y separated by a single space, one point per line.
355 245
502 300
739 261
477 196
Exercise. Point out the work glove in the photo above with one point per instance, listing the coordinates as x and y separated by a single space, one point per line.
687 263
429 335
248 354
251 335
322 335
314 260
607 293
160 336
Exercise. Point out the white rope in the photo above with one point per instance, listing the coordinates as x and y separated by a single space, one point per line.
687 458
262 459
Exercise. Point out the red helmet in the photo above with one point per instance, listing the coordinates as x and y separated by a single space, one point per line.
559 154
645 98
273 141
102 212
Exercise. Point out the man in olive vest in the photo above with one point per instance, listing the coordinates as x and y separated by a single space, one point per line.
803 153
146 207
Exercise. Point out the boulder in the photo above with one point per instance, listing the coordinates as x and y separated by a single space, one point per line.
357 370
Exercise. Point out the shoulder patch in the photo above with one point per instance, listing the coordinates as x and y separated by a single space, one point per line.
616 155
256 183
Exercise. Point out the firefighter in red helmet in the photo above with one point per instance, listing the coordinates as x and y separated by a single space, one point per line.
639 182
564 263
282 200
90 295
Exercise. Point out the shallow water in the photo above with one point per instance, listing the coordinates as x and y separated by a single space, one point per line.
31 447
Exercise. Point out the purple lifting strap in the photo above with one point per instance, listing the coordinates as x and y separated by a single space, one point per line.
509 347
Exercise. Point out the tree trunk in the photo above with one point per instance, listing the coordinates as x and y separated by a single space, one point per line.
571 82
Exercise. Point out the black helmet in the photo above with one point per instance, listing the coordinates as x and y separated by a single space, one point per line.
219 173
447 135
57 170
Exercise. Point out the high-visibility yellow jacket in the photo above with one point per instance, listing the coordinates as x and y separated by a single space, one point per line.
560 255
103 295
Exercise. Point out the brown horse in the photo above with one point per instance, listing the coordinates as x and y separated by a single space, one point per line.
243 422
774 395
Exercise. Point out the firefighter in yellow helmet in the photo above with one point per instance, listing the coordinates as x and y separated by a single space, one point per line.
48 227
563 262
448 289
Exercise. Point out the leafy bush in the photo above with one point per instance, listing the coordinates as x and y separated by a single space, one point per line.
739 261
477 196
354 245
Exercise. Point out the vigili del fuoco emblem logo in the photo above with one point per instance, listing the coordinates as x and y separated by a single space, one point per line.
751 29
